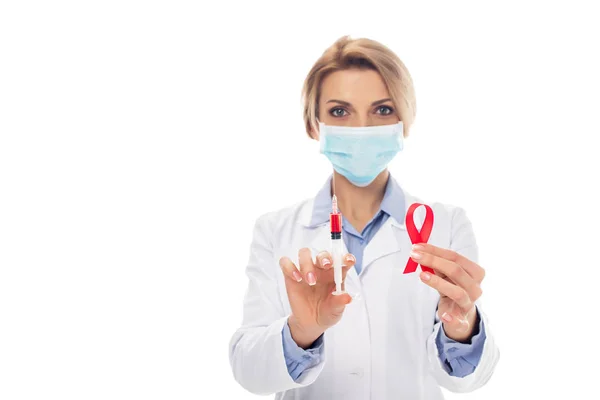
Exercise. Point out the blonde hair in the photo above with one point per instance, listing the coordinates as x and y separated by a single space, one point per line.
348 53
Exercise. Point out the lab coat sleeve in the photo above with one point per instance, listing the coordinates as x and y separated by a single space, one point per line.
296 358
256 350
463 242
461 359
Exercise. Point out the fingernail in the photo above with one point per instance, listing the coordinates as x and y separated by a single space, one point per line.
297 276
418 247
350 258
447 317
414 255
310 277
425 276
326 262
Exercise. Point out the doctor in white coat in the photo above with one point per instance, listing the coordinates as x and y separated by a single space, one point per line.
395 335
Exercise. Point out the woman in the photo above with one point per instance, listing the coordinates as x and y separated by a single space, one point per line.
404 335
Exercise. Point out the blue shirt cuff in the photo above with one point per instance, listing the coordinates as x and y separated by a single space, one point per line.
297 359
461 359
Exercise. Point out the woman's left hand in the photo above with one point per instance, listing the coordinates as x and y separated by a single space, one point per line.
458 281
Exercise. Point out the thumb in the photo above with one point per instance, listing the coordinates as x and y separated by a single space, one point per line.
339 302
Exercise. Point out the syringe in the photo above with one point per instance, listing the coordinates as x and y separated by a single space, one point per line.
337 248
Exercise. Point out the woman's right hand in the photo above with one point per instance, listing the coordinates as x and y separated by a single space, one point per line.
314 307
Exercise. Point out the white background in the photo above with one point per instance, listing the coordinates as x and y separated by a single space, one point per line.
139 141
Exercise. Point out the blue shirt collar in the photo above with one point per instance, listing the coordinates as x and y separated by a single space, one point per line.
392 203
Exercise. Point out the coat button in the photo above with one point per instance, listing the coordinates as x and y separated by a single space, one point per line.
358 373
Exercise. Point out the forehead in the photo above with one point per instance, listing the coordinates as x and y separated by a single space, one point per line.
354 85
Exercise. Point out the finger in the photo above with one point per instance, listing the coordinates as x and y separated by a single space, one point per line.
307 267
289 269
450 269
473 269
347 262
324 260
445 288
455 322
457 318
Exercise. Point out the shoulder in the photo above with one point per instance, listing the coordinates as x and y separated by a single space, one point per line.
442 211
278 221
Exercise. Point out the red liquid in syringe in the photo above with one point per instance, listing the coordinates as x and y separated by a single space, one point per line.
335 220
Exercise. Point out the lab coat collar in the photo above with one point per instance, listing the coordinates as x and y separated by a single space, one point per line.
393 203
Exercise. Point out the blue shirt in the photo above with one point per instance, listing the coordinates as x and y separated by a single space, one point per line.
459 359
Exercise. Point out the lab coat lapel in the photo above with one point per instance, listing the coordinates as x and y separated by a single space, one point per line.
387 240
392 237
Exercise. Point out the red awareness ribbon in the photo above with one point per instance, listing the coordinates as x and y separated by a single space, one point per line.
418 236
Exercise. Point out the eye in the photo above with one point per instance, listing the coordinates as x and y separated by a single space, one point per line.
337 112
385 110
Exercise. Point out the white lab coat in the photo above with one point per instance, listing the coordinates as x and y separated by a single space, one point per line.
384 346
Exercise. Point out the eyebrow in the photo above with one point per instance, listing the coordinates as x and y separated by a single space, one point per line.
345 103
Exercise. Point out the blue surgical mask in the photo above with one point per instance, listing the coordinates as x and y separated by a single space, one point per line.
360 153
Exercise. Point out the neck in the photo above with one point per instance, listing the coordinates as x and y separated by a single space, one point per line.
359 204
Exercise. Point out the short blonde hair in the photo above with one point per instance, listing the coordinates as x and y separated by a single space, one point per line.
348 53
